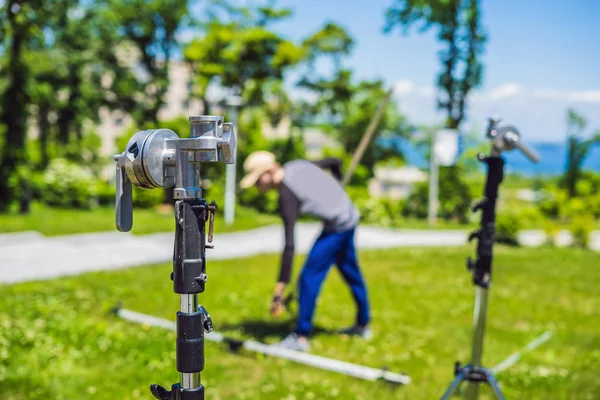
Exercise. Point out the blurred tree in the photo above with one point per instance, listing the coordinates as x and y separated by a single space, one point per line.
331 41
147 32
360 110
72 77
460 30
17 31
344 108
577 150
240 54
148 28
288 149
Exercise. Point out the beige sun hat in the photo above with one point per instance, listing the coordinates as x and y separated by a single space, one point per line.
256 164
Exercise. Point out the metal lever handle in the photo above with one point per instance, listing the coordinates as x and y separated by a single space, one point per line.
529 153
227 144
123 201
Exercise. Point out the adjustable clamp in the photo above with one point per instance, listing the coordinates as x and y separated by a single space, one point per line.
158 158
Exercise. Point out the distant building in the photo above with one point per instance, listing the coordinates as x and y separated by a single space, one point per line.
395 183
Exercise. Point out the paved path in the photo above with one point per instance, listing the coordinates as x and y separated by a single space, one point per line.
32 256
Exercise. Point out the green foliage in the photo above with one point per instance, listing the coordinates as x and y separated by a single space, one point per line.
459 28
67 184
331 40
577 151
216 191
508 225
383 212
261 202
552 205
179 125
148 27
147 198
242 54
454 196
252 139
18 28
593 205
348 107
558 205
105 193
288 149
20 181
581 228
417 202
362 173
551 230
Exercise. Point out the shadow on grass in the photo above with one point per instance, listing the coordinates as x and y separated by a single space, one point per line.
263 329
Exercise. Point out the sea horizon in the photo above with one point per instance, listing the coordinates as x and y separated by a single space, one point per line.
553 157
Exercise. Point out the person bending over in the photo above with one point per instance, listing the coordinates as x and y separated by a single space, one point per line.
305 188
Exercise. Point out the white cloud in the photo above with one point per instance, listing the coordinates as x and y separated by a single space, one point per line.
504 91
404 87
539 113
586 96
574 96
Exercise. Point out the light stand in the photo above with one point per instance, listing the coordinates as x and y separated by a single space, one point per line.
159 158
503 139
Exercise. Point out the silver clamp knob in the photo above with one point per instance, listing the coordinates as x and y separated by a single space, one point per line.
507 138
207 320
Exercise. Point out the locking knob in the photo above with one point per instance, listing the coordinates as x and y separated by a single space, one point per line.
207 320
226 144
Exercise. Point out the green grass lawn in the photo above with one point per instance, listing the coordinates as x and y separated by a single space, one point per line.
55 221
57 340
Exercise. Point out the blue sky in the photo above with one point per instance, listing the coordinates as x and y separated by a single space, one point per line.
542 56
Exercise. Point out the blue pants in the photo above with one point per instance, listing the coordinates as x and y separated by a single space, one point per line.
329 248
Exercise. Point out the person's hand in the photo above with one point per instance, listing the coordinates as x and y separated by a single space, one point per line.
277 306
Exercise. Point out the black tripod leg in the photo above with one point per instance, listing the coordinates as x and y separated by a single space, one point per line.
494 385
454 386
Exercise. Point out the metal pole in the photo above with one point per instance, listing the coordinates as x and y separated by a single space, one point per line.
189 305
433 186
479 321
234 102
364 142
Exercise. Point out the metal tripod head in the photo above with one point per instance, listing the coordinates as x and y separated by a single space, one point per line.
158 158
507 138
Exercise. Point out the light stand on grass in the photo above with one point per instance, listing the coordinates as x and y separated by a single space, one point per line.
159 158
503 139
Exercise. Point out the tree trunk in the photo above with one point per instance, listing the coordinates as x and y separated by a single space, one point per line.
63 123
14 107
25 199
44 127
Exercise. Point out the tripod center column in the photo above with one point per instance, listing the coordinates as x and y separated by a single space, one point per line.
189 305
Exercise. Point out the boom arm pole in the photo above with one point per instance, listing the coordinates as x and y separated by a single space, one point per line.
364 142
